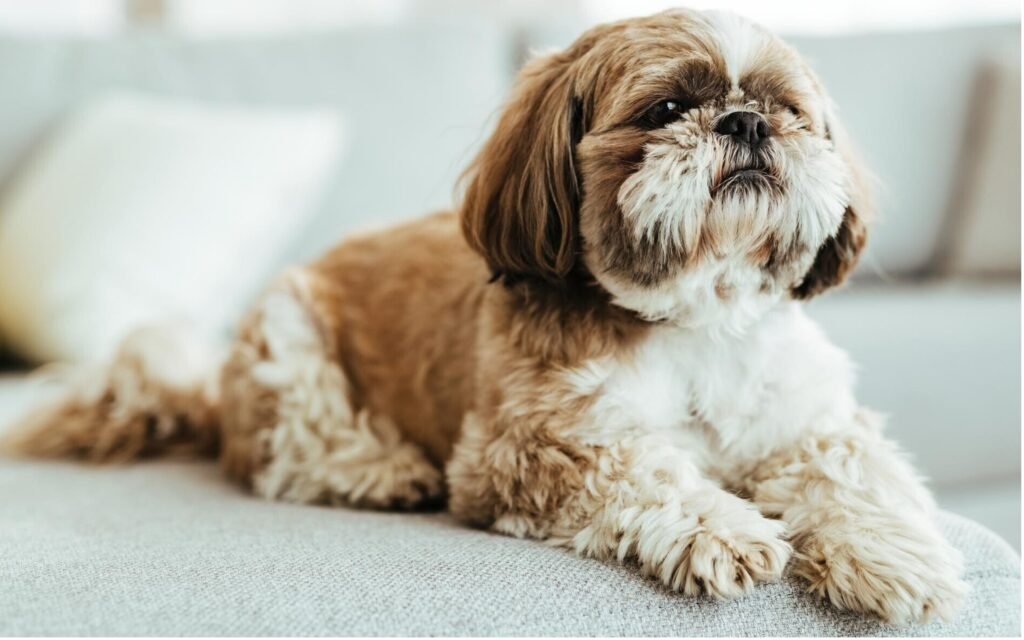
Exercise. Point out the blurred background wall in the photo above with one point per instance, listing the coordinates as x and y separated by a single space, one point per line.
111 107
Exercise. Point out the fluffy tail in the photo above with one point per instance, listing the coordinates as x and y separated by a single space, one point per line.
157 396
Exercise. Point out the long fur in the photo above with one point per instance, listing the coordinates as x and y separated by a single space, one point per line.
602 347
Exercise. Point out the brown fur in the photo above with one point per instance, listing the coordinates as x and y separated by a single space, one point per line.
837 258
519 209
140 406
406 329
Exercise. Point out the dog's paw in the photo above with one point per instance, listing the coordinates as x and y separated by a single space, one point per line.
727 554
903 575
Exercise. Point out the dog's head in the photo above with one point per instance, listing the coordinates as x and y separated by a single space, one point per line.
689 162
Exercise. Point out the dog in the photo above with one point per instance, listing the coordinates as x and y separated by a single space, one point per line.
602 347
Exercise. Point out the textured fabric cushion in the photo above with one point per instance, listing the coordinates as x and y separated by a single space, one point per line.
140 208
170 548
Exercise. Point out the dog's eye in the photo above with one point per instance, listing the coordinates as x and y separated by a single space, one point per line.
665 112
794 110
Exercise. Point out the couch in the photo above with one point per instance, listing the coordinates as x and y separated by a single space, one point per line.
169 548
932 317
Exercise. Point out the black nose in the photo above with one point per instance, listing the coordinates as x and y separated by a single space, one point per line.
745 126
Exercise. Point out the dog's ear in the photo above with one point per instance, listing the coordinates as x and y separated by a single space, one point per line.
837 257
521 200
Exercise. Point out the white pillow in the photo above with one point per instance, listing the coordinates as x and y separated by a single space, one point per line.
141 209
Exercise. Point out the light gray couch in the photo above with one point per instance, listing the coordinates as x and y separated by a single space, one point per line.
171 549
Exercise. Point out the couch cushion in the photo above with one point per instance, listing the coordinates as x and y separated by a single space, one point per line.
996 505
942 360
141 209
170 548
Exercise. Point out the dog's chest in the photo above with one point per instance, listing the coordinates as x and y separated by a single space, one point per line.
654 386
674 382
715 394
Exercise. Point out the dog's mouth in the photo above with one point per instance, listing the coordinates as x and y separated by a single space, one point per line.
749 178
746 175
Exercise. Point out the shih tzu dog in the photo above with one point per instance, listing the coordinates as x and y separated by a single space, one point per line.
602 347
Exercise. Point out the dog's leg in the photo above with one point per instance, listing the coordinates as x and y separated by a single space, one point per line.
290 428
635 500
861 523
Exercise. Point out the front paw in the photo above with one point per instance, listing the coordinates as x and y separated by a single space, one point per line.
900 573
728 552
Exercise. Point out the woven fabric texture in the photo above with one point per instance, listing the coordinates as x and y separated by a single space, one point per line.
169 548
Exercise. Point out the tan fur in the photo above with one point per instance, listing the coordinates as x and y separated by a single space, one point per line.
156 397
488 355
296 426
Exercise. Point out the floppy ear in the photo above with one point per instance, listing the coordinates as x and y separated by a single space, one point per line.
838 256
519 209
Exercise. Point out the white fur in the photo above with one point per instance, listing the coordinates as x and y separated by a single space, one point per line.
734 398
740 42
318 449
649 502
771 412
671 200
671 189
691 301
738 389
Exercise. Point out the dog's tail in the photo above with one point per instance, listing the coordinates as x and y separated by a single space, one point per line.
157 396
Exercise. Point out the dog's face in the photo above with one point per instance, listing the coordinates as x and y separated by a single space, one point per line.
689 162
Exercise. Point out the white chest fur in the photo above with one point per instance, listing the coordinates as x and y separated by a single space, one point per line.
723 396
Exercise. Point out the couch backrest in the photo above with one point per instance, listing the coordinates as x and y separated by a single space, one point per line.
418 100
908 101
415 98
